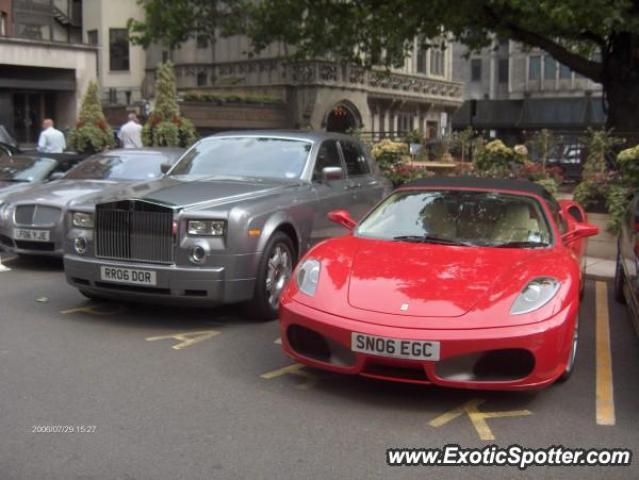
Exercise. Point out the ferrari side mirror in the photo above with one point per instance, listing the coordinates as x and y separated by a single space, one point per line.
579 231
343 218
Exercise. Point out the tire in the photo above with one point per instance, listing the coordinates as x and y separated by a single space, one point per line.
570 367
274 271
619 281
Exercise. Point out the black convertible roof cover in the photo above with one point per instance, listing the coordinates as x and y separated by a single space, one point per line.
480 183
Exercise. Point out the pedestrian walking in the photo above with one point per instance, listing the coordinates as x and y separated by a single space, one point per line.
130 133
51 139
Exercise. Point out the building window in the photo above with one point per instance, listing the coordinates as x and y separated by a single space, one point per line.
202 41
475 70
165 56
534 67
421 60
564 72
118 49
550 68
92 37
437 62
3 24
502 70
201 79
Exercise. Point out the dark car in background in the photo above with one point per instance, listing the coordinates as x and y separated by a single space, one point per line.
626 275
227 224
31 221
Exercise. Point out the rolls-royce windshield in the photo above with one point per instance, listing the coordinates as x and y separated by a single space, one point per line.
245 157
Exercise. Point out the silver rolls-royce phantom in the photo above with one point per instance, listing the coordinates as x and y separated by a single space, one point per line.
225 225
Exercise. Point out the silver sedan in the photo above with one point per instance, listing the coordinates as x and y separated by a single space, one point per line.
32 220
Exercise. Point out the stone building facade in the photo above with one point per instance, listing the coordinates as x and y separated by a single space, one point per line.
44 66
511 90
319 94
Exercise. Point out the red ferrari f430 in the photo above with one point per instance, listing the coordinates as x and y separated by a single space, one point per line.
458 282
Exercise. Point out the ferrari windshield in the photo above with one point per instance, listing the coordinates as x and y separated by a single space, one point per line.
252 156
122 166
457 217
25 169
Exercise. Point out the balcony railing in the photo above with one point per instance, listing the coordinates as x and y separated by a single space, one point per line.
272 72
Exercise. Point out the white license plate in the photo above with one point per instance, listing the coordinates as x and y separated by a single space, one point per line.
131 276
33 235
395 347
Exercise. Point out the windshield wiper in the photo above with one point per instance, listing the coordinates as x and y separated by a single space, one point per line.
521 244
431 239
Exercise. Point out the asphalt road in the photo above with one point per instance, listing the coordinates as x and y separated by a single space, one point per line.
219 406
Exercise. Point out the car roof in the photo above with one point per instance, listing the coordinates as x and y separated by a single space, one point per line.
23 156
481 184
311 135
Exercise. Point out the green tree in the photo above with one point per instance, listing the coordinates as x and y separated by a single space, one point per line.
92 132
165 126
598 39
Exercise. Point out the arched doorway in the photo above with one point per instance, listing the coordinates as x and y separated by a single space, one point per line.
342 118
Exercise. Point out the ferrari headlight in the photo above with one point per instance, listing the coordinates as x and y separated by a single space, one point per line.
535 295
82 220
213 228
307 276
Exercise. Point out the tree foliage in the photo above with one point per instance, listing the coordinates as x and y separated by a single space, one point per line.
173 22
92 132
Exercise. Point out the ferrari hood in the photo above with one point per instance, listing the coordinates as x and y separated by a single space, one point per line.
427 280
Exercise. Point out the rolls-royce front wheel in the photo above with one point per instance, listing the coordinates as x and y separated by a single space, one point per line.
275 269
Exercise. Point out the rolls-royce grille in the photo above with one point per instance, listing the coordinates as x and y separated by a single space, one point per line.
137 231
37 215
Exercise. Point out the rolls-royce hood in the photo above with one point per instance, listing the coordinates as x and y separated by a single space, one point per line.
206 193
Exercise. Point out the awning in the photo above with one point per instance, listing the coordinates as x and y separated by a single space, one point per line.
37 78
566 113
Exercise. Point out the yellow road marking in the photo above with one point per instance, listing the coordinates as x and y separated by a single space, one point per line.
97 310
477 418
186 339
294 369
605 390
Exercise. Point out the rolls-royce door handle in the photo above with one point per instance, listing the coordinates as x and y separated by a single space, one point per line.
353 186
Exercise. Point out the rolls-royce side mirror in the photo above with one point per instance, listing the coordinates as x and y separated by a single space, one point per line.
56 176
165 167
342 217
332 173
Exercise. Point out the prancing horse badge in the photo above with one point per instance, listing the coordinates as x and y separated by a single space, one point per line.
404 307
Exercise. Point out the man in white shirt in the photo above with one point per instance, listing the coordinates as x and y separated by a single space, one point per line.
130 133
51 140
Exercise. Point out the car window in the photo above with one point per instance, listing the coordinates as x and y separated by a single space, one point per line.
120 166
356 163
250 156
25 169
477 218
328 156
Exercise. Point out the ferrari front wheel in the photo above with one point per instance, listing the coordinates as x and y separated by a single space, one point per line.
570 366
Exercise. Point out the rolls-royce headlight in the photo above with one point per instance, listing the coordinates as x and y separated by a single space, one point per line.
307 276
213 228
535 295
82 220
